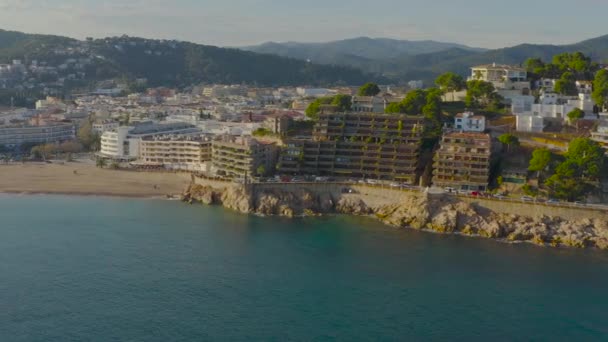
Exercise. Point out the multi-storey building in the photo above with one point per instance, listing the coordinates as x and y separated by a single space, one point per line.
102 126
123 143
463 161
176 152
242 157
358 145
51 133
469 122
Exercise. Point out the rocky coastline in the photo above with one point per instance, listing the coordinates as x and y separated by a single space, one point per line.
415 210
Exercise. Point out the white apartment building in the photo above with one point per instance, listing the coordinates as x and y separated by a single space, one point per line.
175 152
509 81
502 76
469 122
124 142
533 117
530 123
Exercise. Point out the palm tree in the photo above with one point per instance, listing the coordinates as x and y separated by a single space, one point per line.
100 163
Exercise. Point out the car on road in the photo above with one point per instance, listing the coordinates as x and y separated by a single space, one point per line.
395 185
527 199
579 203
552 201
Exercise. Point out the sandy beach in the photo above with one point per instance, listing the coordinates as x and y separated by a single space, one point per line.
82 178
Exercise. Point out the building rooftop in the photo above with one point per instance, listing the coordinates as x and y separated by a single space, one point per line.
499 67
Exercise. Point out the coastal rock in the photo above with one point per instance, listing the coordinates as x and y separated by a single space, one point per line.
445 214
349 205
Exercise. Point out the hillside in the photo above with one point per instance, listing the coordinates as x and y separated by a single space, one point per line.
360 52
173 63
428 66
403 60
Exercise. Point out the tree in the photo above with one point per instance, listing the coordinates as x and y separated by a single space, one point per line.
369 89
261 170
541 159
588 155
600 88
432 108
480 93
575 115
393 108
574 62
314 108
100 163
413 102
450 82
89 139
566 85
535 67
343 102
509 140
566 188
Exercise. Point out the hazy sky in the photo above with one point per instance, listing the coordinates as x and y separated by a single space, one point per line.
484 23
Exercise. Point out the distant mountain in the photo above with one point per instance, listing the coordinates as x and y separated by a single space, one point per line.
428 66
406 60
174 63
356 52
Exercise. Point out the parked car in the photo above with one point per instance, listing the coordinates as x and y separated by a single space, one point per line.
527 199
579 203
552 201
395 185
500 197
475 193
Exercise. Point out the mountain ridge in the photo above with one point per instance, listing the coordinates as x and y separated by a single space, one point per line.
175 63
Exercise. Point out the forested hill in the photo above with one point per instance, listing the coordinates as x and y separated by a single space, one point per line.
174 63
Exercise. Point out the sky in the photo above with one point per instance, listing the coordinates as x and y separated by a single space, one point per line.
479 23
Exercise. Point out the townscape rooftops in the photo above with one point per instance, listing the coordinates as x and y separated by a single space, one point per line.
148 128
495 66
468 135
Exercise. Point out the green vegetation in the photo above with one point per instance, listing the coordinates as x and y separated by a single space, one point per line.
369 89
89 140
262 132
566 84
541 161
567 67
600 88
261 170
342 103
575 115
46 151
481 94
176 64
450 82
510 140
574 176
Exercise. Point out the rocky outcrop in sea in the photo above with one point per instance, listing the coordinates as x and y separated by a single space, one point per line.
437 213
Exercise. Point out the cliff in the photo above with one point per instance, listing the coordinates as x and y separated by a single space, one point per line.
438 213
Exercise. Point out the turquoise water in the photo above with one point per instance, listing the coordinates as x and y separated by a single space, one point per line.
97 269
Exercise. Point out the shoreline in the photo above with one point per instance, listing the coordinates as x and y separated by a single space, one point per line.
85 179
509 222
83 194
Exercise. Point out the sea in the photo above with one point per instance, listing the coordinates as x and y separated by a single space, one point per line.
106 269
